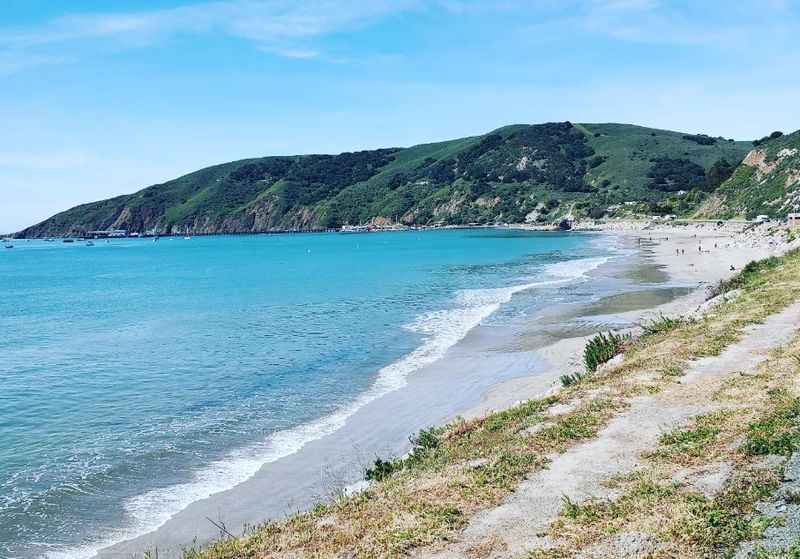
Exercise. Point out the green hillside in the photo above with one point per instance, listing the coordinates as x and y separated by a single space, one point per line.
533 173
767 182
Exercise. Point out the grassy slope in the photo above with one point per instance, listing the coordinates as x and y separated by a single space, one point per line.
468 466
751 191
630 148
214 200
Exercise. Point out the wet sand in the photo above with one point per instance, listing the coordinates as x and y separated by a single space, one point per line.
691 259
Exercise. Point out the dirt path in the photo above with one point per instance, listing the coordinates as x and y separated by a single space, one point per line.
519 525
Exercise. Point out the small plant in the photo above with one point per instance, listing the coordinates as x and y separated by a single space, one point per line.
602 348
569 380
589 512
423 445
382 469
692 441
662 324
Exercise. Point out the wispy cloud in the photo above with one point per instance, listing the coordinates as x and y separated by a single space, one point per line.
297 28
701 23
282 27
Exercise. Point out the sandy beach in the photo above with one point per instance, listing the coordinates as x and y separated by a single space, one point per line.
698 255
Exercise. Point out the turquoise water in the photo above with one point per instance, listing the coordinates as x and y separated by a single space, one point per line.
138 377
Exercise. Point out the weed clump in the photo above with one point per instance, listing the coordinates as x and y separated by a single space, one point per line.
778 432
574 378
382 469
602 348
661 325
423 445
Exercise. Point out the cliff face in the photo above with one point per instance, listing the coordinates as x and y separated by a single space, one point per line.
767 182
515 173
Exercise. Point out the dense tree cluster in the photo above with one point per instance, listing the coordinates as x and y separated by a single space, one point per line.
547 154
554 154
719 173
597 160
702 139
671 175
309 179
774 135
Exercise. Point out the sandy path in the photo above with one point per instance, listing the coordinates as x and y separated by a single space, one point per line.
518 525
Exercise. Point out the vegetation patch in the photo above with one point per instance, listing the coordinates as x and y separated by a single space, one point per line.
779 431
746 276
717 525
684 444
602 348
661 325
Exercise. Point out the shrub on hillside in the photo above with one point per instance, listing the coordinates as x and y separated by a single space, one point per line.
422 445
671 175
602 348
662 324
774 135
702 139
745 276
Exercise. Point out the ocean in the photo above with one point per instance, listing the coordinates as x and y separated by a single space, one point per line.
139 377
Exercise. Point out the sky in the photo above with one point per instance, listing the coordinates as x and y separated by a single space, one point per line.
103 98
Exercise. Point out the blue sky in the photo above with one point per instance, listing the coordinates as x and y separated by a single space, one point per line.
100 98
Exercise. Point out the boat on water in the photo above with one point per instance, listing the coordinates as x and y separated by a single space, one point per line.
188 238
8 245
89 243
68 241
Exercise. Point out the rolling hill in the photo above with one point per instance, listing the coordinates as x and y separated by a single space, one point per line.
534 173
767 182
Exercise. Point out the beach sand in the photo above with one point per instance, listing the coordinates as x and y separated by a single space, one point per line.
698 256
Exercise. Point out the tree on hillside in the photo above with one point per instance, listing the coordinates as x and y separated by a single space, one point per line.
718 173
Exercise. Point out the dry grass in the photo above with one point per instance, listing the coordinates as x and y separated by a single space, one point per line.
665 498
427 501
476 464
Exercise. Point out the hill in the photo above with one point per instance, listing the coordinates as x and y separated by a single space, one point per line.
533 173
767 182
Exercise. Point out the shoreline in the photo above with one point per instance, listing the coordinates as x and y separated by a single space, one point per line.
722 248
561 355
320 453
